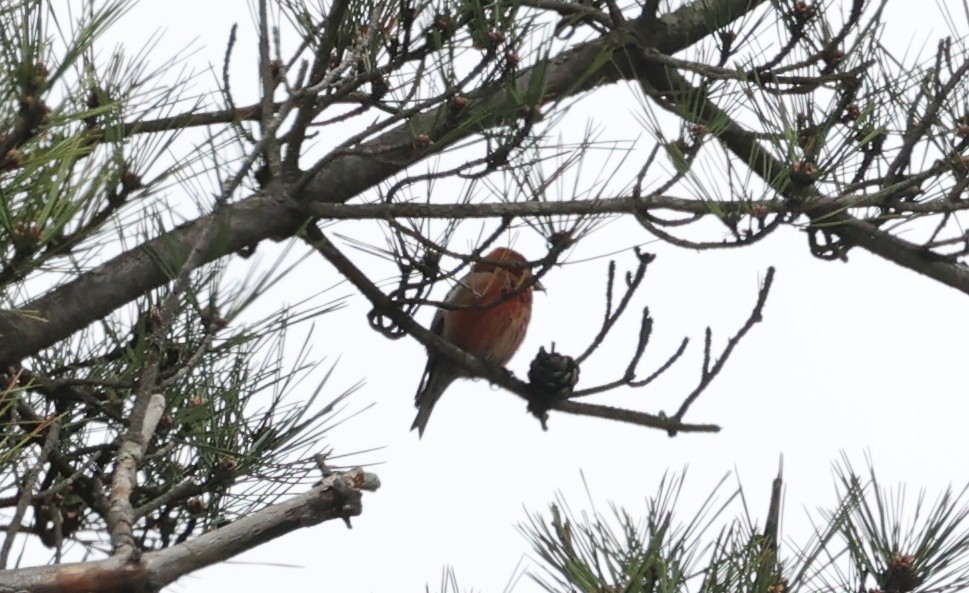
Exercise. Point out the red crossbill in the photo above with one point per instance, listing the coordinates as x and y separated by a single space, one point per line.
487 324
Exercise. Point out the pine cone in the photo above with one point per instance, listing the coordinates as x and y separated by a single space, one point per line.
552 374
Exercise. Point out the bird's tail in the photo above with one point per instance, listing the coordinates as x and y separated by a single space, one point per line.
435 382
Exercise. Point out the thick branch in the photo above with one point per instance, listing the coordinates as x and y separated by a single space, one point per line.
338 497
565 75
619 205
93 295
698 108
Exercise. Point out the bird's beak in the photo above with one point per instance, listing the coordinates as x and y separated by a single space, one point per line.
538 286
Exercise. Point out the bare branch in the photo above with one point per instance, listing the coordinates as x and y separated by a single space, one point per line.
337 497
661 81
709 372
64 310
472 364
121 515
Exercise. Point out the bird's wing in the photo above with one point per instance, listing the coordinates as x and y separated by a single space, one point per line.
438 374
437 328
459 294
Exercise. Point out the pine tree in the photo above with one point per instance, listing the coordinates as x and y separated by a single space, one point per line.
150 420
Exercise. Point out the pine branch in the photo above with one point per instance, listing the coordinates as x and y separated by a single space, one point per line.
698 108
337 497
93 295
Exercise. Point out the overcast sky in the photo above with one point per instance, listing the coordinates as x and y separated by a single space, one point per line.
853 357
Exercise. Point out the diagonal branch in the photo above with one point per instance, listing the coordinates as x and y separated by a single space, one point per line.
695 105
337 497
712 368
472 364
92 295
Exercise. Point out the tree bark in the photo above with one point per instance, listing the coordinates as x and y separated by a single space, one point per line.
94 294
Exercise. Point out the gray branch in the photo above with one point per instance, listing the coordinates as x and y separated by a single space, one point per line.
823 211
93 295
337 497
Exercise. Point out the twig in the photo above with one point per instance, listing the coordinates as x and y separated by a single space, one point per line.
663 367
709 372
26 490
257 112
184 489
671 425
472 364
89 489
612 315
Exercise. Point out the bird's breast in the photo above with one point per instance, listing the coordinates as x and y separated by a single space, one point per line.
492 333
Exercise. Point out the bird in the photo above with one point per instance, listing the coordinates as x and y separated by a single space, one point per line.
488 323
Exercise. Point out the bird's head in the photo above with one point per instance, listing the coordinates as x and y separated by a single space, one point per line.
509 263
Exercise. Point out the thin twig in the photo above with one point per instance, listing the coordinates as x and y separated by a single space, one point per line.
671 425
472 364
27 488
709 371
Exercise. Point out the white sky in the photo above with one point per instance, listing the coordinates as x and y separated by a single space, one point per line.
854 357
